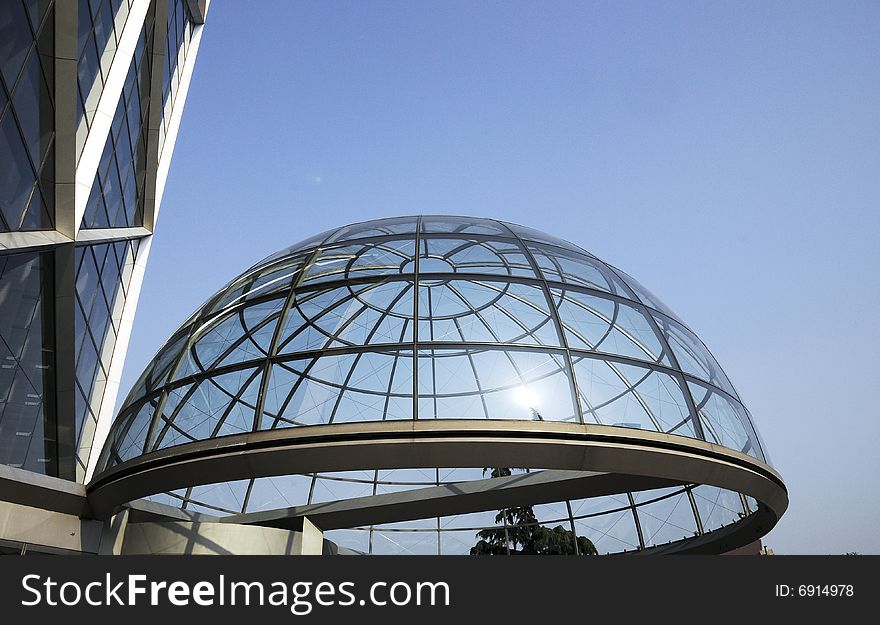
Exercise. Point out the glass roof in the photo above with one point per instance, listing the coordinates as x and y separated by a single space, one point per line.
429 317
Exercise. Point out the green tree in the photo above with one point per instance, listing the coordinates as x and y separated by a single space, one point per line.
519 533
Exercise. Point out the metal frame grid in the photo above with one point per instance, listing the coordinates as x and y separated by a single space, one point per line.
488 320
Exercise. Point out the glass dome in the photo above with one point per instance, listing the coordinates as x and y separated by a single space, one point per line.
427 318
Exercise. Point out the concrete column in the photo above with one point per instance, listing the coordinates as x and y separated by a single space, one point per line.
309 541
154 121
114 534
65 116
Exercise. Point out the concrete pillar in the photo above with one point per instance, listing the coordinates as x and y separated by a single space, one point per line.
114 534
309 541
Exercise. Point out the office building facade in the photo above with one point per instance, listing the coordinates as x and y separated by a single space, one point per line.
91 98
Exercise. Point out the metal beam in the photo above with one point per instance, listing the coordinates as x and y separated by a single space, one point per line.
443 443
28 488
450 499
65 91
111 235
36 241
155 112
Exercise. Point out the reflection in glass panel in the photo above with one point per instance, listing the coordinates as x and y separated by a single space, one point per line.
128 435
156 373
604 325
117 191
100 29
16 176
725 421
536 236
692 355
354 261
27 117
306 245
385 227
179 28
269 279
494 384
631 396
103 273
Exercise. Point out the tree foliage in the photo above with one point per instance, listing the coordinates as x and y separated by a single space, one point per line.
519 533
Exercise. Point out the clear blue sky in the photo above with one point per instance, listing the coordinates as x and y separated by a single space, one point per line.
727 154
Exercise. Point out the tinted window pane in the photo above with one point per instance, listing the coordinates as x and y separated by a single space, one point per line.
26 410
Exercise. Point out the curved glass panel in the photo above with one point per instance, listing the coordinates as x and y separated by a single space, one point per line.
243 335
356 314
623 395
470 226
217 406
725 421
608 326
692 355
272 279
485 312
301 247
717 507
666 517
384 227
530 234
364 386
579 269
360 260
156 373
644 295
452 255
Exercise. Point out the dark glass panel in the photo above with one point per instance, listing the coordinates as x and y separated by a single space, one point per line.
15 39
16 174
34 111
27 430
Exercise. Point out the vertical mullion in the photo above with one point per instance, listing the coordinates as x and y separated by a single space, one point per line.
415 342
